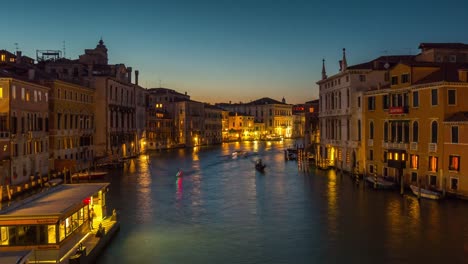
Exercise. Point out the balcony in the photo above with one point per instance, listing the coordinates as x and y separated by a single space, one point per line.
398 110
432 147
395 145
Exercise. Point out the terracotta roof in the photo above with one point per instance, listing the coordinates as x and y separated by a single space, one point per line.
443 46
378 64
458 117
447 72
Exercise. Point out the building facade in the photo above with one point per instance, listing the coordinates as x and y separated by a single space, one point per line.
407 137
71 127
341 111
24 128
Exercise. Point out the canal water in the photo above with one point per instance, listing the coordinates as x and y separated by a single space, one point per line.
223 211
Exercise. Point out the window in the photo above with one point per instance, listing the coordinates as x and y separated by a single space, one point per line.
359 129
415 99
452 96
35 96
414 176
371 103
433 164
359 102
371 154
1 92
415 131
385 131
434 132
405 78
432 180
453 58
385 155
414 161
394 80
371 130
434 97
453 183
454 163
22 93
362 78
454 134
385 102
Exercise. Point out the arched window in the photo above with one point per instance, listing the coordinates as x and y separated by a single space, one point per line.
385 131
371 130
415 131
434 132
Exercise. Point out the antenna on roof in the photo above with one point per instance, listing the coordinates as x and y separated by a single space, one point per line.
159 83
64 54
16 47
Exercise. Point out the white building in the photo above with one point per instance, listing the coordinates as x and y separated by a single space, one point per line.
341 112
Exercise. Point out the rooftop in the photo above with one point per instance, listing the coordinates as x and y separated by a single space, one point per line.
56 201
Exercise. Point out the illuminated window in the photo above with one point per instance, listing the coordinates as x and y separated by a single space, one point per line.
390 156
27 96
311 110
396 156
1 92
414 162
22 93
433 164
454 163
3 57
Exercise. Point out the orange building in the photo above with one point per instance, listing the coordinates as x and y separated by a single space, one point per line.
406 136
455 142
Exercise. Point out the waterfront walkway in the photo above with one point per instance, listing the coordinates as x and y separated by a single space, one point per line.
92 243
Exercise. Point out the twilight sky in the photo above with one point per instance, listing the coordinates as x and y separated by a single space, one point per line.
233 50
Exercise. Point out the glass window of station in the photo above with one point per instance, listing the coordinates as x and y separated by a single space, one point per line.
45 231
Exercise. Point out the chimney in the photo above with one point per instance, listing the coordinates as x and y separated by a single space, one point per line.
31 73
136 76
129 74
18 56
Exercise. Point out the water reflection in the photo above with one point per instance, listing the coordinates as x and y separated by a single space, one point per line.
223 211
332 196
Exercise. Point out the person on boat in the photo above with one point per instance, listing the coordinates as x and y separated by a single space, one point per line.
259 162
179 173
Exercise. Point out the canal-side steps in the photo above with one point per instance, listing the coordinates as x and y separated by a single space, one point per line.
93 244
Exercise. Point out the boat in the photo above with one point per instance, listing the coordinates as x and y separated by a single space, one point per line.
260 166
291 154
179 174
381 183
89 175
426 193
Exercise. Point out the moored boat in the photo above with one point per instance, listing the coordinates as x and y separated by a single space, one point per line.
425 193
89 175
380 183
